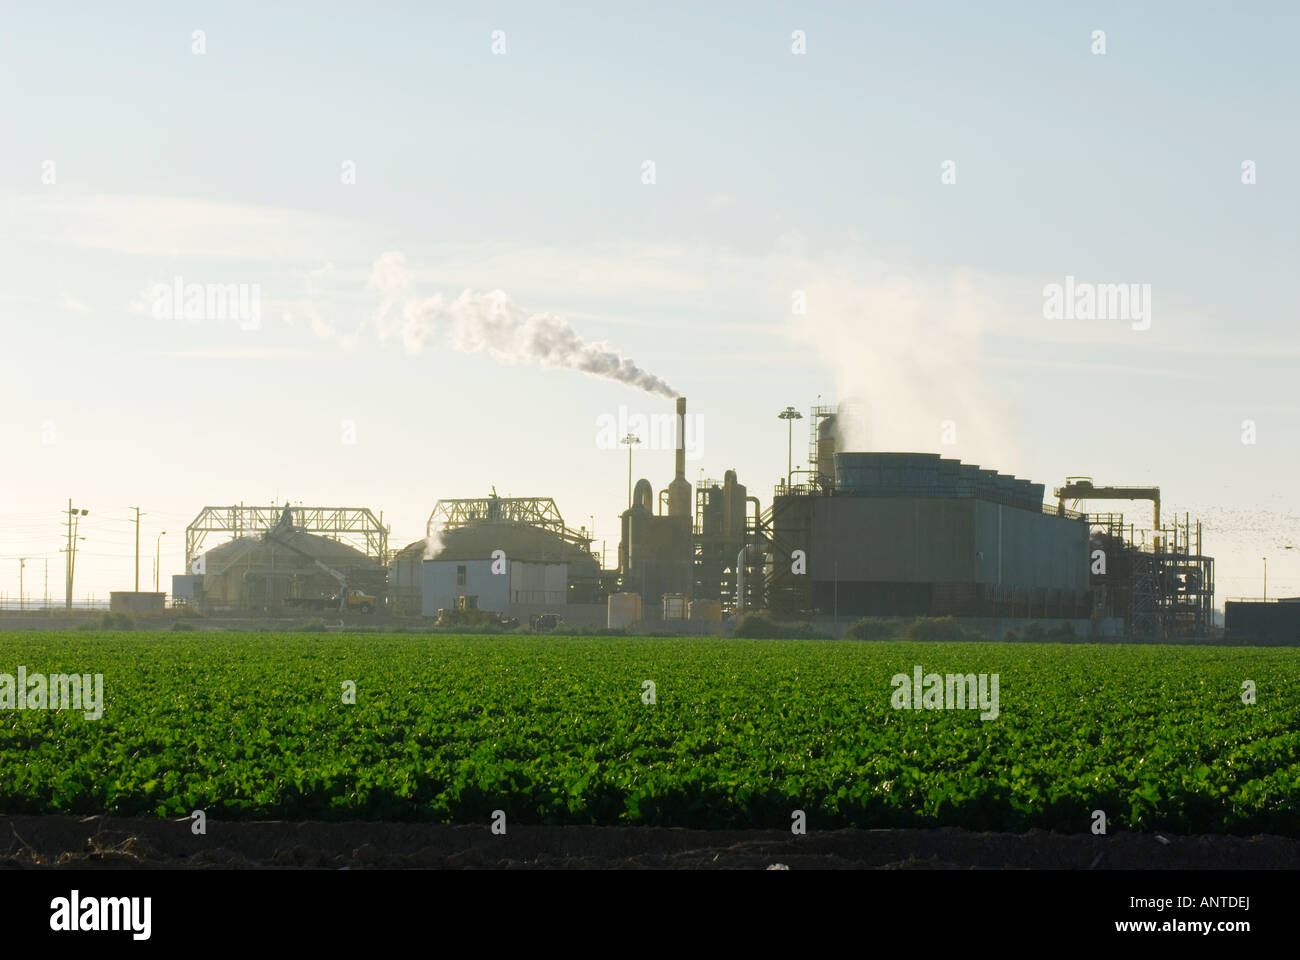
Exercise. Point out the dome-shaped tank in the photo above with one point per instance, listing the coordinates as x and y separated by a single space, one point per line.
643 496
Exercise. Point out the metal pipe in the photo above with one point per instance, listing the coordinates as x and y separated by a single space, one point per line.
681 439
740 577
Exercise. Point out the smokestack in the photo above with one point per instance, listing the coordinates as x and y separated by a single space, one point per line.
681 438
679 491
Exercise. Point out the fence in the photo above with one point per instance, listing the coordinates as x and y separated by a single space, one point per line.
29 604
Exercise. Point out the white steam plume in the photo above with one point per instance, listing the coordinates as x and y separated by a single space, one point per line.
906 348
433 543
474 322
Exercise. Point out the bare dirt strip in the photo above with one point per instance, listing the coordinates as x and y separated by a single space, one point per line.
82 842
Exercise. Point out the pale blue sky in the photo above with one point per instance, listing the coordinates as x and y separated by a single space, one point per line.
523 172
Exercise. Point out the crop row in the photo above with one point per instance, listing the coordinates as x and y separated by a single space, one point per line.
740 733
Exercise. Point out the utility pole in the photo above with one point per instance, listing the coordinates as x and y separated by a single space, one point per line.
137 548
67 570
157 562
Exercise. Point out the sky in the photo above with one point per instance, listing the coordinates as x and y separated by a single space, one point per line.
435 212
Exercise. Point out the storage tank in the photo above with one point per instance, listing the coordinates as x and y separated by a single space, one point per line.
674 606
643 496
826 435
624 610
706 610
733 505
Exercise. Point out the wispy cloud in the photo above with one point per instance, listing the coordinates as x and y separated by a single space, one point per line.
234 353
137 225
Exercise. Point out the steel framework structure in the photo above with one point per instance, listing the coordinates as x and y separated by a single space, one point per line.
1082 488
1186 594
1144 610
357 527
534 511
1162 589
788 595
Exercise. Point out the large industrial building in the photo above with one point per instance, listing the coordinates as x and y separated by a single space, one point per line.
892 534
514 556
908 534
1263 621
281 559
656 556
862 533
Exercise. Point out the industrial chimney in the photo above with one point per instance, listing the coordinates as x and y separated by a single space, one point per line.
679 491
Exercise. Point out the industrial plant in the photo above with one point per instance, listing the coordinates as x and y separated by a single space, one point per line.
860 534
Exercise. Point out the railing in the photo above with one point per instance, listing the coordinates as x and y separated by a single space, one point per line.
928 492
39 605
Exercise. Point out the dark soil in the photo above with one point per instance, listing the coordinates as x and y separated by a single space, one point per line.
81 842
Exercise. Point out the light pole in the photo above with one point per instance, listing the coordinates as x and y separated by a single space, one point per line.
789 415
22 562
630 439
157 559
74 521
1265 559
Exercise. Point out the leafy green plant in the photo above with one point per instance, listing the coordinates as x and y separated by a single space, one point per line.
554 730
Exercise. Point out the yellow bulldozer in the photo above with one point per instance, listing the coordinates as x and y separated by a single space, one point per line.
467 614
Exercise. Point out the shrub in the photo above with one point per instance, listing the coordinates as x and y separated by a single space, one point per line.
590 630
759 626
1035 632
936 628
876 628
805 631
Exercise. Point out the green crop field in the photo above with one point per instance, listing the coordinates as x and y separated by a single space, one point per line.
740 733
